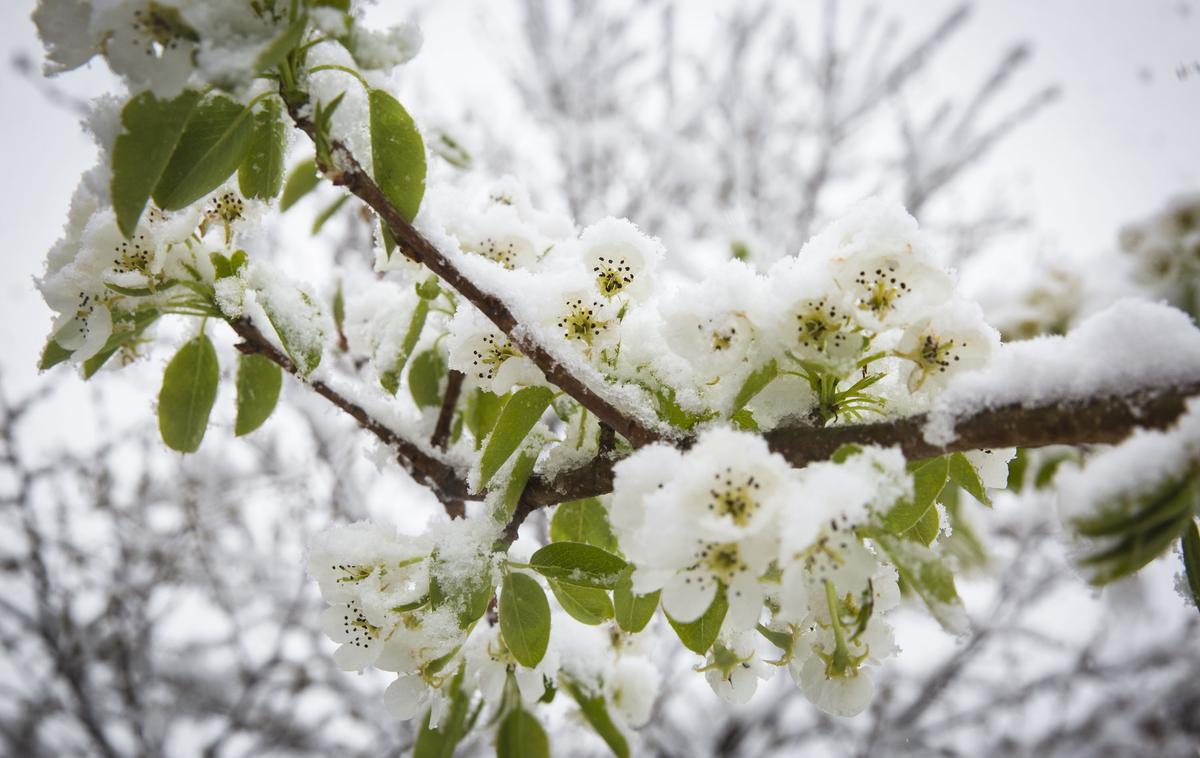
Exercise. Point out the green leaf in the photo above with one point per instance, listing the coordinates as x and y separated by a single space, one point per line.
261 173
329 212
258 383
963 473
924 571
524 618
925 531
1017 468
595 710
339 306
151 130
188 390
480 413
578 563
212 146
521 736
845 452
745 420
632 611
670 411
520 413
699 635
755 383
390 379
287 41
586 605
1191 560
52 355
397 153
1148 528
929 477
782 640
302 179
441 742
425 378
514 487
583 520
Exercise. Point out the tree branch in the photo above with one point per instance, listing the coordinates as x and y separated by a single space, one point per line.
1065 422
349 173
441 432
426 469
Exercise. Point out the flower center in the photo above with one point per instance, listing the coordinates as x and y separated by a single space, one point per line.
227 208
722 560
359 631
937 353
581 323
882 289
505 251
732 499
132 255
819 326
160 28
487 361
613 275
351 573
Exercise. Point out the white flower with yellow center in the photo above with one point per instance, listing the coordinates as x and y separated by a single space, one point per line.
711 526
586 320
371 576
953 340
149 43
510 251
879 261
620 259
482 352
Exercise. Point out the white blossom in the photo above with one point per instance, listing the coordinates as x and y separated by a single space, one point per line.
953 340
733 668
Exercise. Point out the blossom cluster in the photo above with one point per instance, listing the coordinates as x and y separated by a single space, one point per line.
167 45
861 320
729 517
396 604
106 289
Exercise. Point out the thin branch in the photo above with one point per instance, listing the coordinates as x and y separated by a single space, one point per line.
1061 422
424 468
350 174
441 432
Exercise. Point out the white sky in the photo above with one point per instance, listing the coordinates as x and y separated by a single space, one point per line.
1121 140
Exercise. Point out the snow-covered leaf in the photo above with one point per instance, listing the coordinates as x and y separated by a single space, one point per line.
578 563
